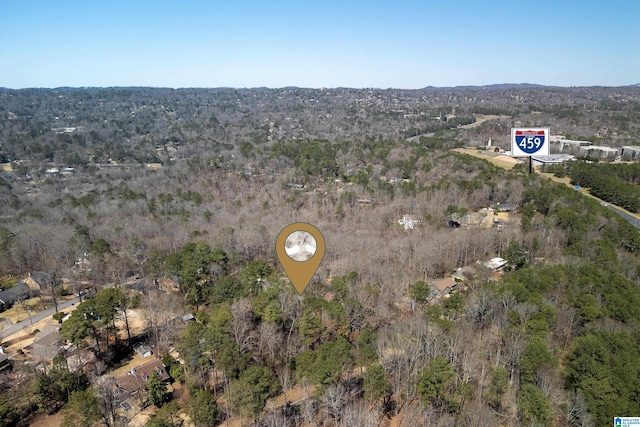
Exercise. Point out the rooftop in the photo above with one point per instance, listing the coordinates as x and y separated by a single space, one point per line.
554 158
136 379
444 284
495 263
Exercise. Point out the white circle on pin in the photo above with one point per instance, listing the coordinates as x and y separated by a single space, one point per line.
300 245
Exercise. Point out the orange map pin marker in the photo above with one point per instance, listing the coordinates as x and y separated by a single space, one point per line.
300 248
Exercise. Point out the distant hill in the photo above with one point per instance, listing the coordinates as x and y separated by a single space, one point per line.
497 86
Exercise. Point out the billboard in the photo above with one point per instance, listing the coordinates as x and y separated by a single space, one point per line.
527 142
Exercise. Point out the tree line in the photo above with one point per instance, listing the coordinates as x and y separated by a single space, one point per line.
617 184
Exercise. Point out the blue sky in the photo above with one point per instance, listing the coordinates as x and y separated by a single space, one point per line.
401 44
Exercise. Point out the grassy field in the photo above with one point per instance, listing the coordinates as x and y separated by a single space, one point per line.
7 282
20 311
481 118
501 160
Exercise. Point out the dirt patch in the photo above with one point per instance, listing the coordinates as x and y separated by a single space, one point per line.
505 216
234 422
294 395
504 161
140 419
137 324
47 420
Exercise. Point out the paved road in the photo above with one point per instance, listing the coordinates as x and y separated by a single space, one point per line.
36 318
632 220
417 137
629 218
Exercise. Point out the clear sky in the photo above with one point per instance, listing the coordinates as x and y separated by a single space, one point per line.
318 43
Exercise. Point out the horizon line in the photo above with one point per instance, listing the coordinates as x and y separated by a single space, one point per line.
491 85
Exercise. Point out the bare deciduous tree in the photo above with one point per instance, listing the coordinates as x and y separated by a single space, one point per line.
242 324
106 390
159 308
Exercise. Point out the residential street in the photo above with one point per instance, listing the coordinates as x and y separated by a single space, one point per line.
36 318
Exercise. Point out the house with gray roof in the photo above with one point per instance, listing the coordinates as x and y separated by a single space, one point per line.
20 291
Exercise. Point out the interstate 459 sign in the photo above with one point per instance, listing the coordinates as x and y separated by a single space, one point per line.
527 142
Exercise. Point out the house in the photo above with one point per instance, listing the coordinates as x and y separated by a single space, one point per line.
67 171
5 363
444 286
495 264
46 344
36 280
20 291
472 219
83 263
143 350
409 221
503 207
136 378
169 284
464 273
188 318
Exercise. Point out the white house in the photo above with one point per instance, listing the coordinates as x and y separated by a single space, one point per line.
496 263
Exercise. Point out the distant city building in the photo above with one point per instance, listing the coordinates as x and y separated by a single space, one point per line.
600 151
552 159
630 152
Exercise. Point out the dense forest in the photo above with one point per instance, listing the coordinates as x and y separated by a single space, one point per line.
192 187
615 183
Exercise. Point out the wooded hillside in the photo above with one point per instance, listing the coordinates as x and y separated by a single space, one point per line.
552 339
